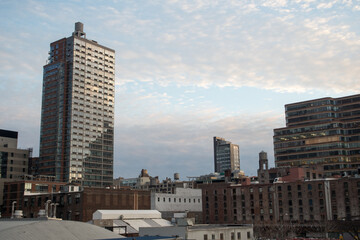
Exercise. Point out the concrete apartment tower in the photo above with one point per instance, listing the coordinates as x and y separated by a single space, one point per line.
226 155
324 131
77 114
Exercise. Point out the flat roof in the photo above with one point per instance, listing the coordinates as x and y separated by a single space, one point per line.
8 133
209 226
28 229
126 214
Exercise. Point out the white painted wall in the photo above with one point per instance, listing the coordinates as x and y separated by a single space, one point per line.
216 231
184 199
198 231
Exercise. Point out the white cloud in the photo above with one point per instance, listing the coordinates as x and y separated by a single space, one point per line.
281 46
329 4
186 140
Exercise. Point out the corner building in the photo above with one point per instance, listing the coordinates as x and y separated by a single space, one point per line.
323 131
77 114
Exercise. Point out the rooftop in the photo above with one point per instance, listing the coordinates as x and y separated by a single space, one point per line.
21 229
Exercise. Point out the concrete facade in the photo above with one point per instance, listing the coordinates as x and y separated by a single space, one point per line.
183 200
13 161
203 231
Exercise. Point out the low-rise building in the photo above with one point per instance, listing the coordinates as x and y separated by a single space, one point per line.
298 203
184 199
146 182
128 222
186 229
72 202
13 161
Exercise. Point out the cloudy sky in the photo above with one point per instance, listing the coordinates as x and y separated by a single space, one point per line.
186 71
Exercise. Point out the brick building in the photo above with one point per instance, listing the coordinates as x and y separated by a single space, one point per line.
300 201
297 203
72 202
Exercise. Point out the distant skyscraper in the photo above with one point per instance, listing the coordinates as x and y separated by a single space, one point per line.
323 131
77 115
226 155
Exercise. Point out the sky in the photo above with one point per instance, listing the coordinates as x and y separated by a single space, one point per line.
186 71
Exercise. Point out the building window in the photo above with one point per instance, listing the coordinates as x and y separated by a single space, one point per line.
232 236
158 199
221 236
238 235
248 235
213 236
205 237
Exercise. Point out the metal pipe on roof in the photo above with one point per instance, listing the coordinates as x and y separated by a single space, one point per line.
13 209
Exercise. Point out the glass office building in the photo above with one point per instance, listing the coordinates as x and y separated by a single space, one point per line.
77 114
323 131
226 155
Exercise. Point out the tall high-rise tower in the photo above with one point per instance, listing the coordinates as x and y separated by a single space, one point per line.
226 155
77 114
